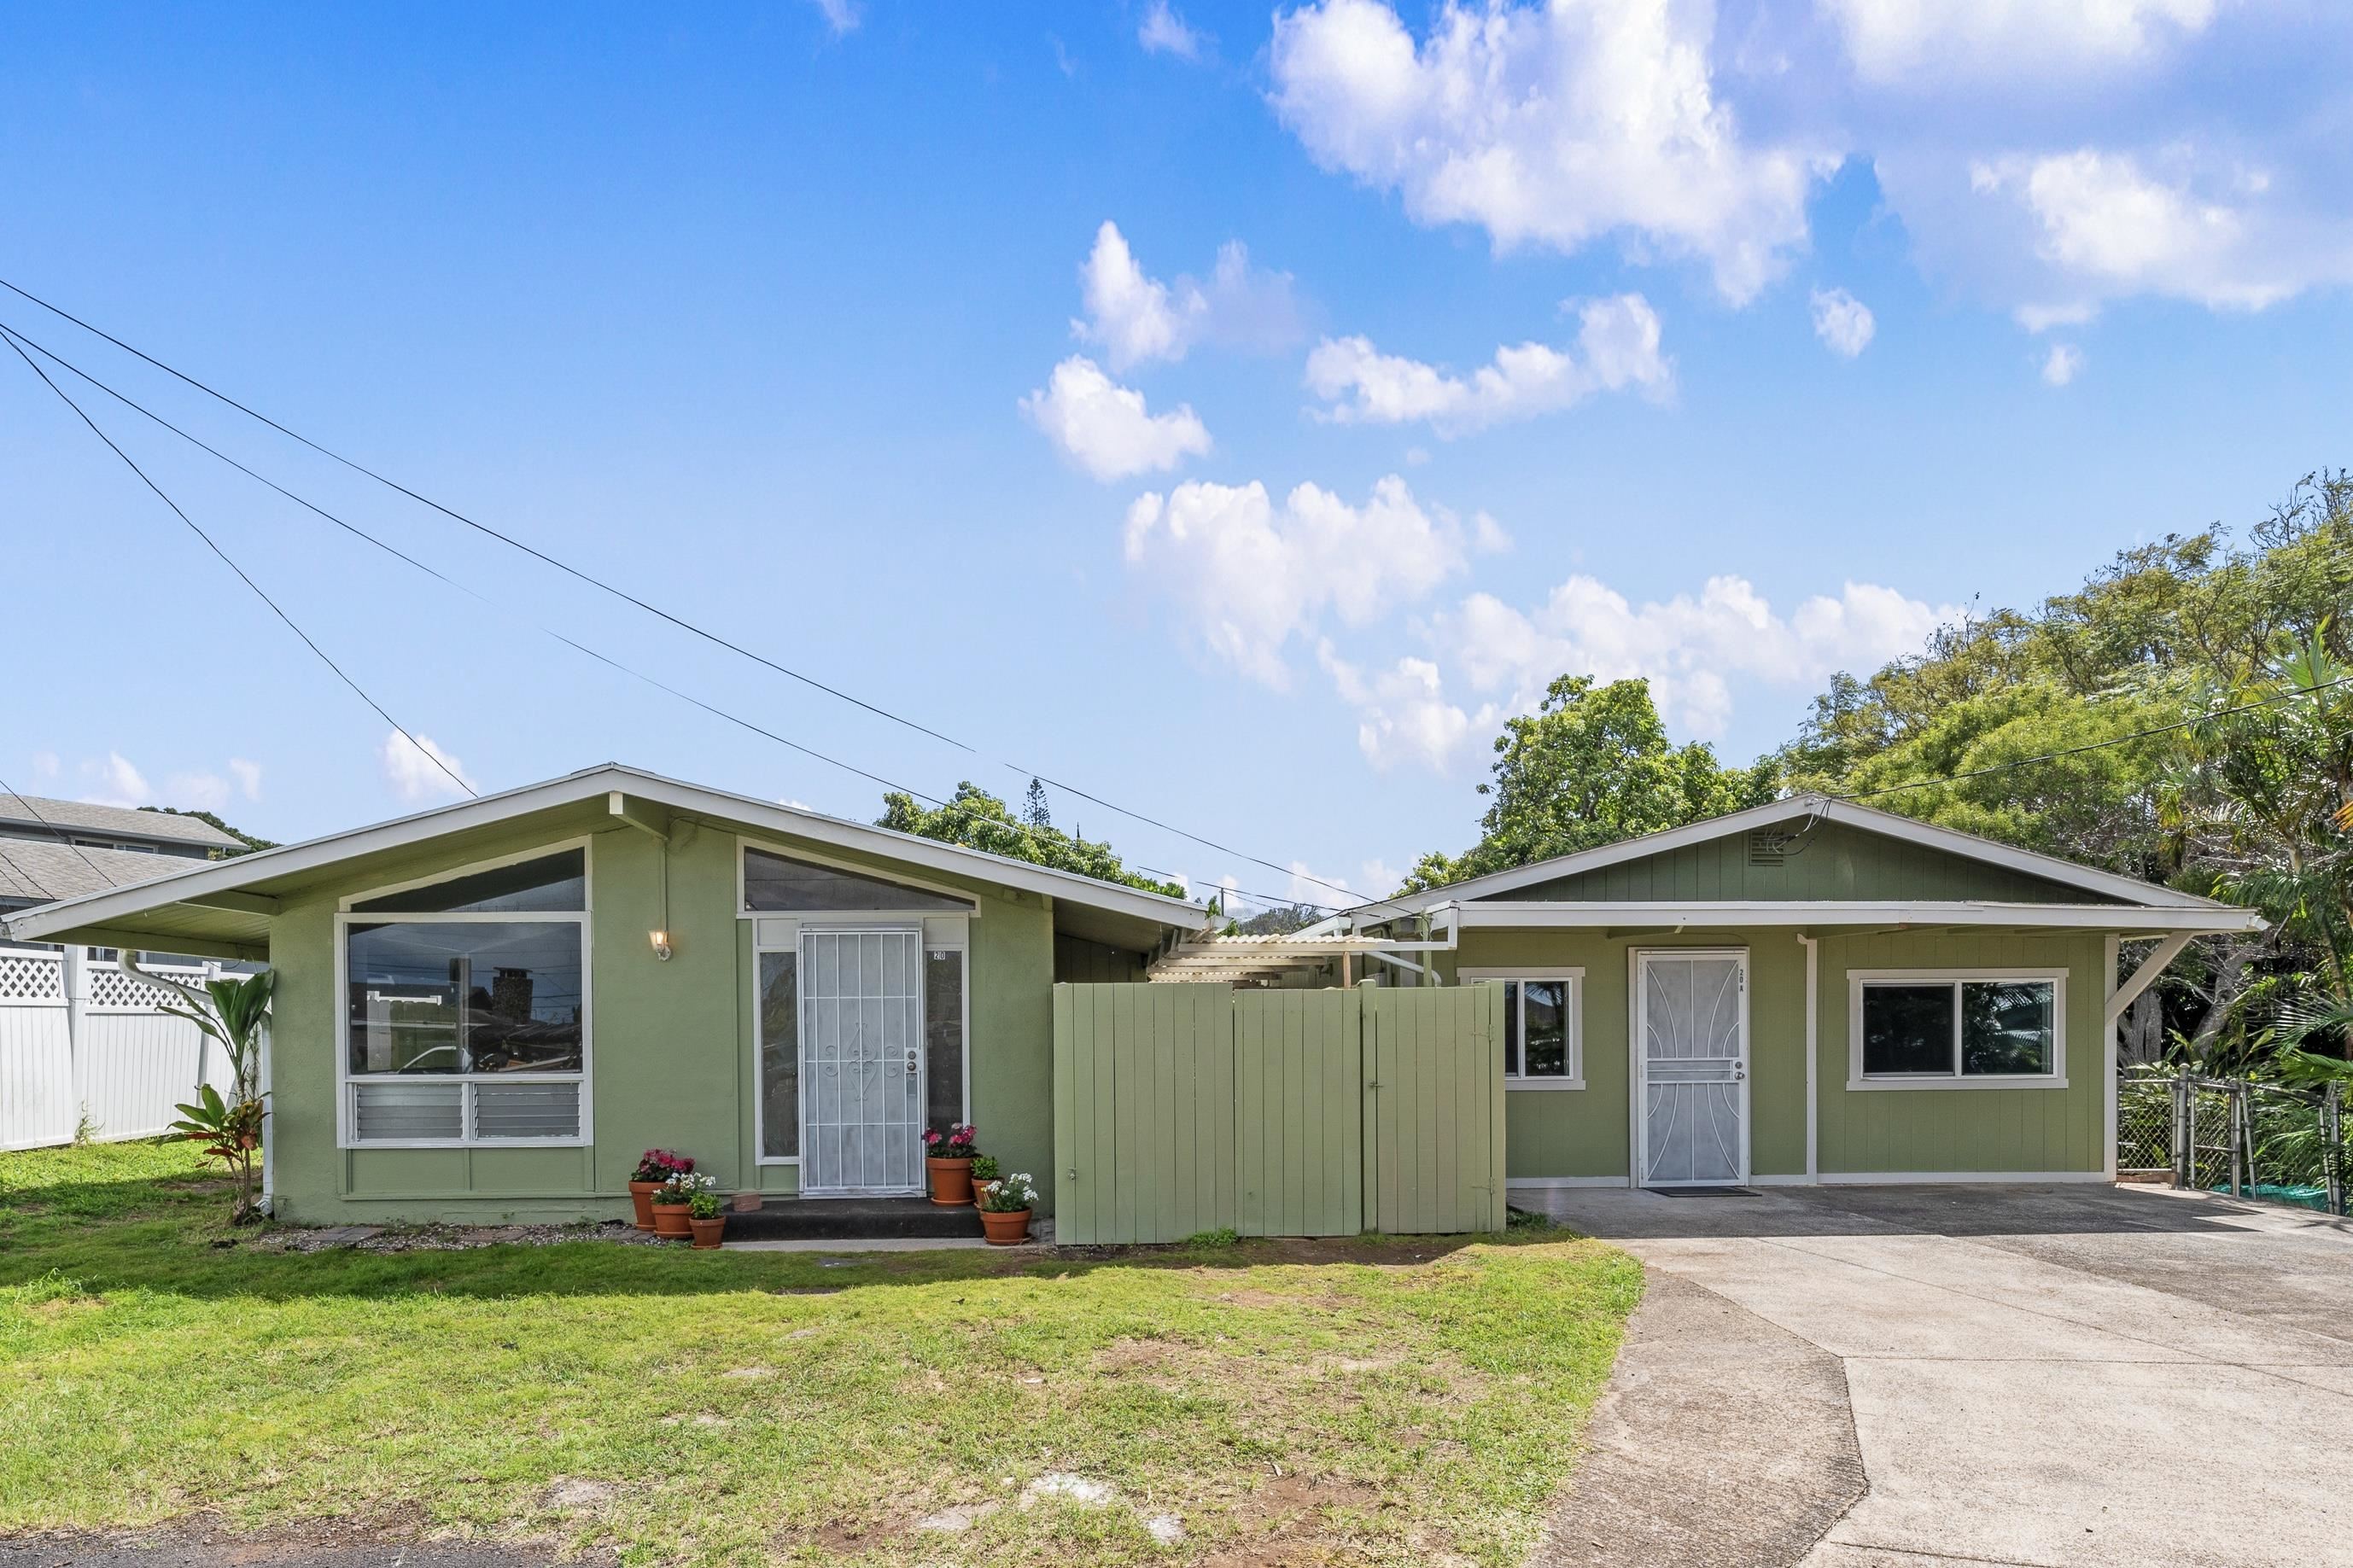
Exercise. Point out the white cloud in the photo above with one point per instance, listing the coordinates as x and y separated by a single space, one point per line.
1137 318
1842 321
1402 713
1618 340
45 765
1164 32
841 16
419 770
2059 366
197 792
1247 576
1555 126
1104 427
1925 41
122 783
248 775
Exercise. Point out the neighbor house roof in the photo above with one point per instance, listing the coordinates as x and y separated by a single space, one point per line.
37 871
228 904
43 816
2112 901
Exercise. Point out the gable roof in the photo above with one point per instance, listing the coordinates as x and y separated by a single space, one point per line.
39 871
219 899
44 816
2130 890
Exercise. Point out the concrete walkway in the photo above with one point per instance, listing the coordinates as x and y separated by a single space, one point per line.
2043 1377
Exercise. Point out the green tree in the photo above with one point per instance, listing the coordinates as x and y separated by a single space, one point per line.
1592 765
979 820
247 842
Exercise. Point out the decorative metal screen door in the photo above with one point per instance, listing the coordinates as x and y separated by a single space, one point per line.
861 1061
1691 1028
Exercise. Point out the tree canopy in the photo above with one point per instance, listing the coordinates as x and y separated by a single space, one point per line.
979 820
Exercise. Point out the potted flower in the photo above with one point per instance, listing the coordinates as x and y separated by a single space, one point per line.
704 1215
655 1166
1005 1213
671 1202
948 1158
984 1173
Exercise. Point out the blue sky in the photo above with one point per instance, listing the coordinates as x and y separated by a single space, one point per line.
1428 353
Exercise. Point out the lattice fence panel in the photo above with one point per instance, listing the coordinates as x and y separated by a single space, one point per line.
32 977
112 991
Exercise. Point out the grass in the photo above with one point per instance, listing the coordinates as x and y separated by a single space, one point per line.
1377 1401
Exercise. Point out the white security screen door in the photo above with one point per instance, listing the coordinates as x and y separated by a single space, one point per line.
1692 1029
861 1061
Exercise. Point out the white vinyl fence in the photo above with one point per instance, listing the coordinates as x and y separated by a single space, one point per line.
83 1044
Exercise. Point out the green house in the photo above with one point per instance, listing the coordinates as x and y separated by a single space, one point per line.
488 1011
1810 991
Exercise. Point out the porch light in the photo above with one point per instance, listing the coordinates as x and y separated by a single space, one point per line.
662 945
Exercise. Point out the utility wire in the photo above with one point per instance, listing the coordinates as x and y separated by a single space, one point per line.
677 621
442 577
57 833
228 561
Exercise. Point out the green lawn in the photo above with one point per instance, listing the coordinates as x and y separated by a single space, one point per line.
1278 1404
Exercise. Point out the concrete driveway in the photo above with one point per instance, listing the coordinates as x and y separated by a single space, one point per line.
1908 1377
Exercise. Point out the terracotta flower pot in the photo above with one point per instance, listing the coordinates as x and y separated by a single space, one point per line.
670 1219
641 1196
980 1190
951 1181
1005 1229
707 1231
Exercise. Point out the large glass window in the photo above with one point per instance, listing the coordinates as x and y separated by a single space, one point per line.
775 885
466 1008
1959 1028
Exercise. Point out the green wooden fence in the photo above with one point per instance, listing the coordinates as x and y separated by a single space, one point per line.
1181 1108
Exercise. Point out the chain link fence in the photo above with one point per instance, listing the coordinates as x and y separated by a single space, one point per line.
2249 1140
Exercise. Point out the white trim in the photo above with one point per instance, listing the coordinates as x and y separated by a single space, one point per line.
1813 946
1520 1082
1868 820
744 909
1559 1183
1638 1144
2110 1013
1857 1081
103 909
1729 914
347 1081
1808 1180
1955 1178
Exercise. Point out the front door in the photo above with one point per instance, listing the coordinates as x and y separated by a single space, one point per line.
1691 1029
861 1061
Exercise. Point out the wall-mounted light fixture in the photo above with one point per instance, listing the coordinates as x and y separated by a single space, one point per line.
662 945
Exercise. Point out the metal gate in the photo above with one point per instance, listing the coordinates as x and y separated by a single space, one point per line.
2270 1142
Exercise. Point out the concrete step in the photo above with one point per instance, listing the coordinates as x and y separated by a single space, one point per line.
844 1219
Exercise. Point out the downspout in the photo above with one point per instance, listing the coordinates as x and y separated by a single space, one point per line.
1813 1055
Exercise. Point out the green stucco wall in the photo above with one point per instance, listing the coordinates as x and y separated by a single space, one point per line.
1585 1133
672 1055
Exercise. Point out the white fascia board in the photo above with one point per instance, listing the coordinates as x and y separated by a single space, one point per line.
1492 913
223 875
1864 818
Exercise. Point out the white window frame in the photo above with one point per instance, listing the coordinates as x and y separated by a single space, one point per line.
1575 978
1857 980
782 933
346 1081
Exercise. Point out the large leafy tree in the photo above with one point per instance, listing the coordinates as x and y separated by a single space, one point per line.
979 820
1591 765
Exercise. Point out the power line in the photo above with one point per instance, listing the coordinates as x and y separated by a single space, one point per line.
233 567
57 833
2098 745
677 621
468 589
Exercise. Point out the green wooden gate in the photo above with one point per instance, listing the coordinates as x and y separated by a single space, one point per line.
1180 1109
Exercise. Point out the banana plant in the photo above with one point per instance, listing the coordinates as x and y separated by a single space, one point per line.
234 1010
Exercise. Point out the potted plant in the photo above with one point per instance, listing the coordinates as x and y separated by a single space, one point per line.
670 1202
1005 1213
704 1214
985 1173
948 1159
655 1166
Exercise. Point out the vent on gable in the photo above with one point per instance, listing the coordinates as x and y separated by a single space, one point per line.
1769 847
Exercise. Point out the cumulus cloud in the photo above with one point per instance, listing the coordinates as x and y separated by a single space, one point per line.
1104 427
1617 348
117 781
1842 321
1552 126
841 16
1164 32
1249 575
1137 318
1911 41
420 771
2060 365
248 775
1402 713
123 785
